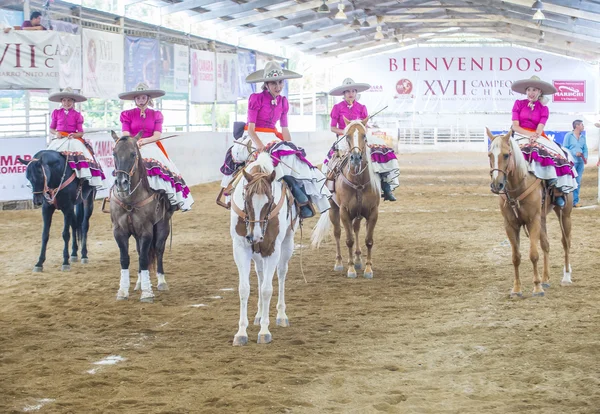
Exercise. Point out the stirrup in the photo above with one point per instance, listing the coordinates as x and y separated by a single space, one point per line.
221 197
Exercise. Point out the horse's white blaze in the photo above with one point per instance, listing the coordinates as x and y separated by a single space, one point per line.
258 202
495 154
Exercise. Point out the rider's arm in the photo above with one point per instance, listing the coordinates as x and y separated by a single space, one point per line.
285 131
335 114
255 139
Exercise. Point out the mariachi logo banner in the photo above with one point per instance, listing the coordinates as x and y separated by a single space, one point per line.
203 76
141 62
102 64
227 77
174 70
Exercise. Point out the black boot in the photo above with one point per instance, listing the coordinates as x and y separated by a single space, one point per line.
296 189
387 191
306 211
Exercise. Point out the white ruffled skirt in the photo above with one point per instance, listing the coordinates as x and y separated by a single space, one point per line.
80 160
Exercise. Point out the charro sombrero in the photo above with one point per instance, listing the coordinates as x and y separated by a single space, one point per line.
66 93
522 85
141 89
348 85
271 72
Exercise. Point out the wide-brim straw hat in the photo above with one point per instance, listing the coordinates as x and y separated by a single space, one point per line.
141 89
521 86
271 73
348 85
66 93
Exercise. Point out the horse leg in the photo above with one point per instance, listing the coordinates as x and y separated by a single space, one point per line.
122 240
242 256
162 234
513 233
565 217
287 250
88 209
270 263
534 255
74 228
334 216
47 212
138 282
358 263
259 268
371 222
66 234
347 222
546 249
145 245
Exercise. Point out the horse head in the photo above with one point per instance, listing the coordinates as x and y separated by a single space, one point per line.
502 160
356 136
258 197
127 162
44 172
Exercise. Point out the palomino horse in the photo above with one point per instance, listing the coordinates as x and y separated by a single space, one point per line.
56 187
139 211
357 192
525 202
263 223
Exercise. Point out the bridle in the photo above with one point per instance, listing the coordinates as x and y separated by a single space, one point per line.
510 167
130 173
51 193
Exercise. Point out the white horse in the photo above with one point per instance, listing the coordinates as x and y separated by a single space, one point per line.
263 223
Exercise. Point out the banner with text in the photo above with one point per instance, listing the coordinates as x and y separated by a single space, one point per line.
203 76
103 145
102 64
13 183
469 79
247 65
141 62
69 56
174 70
228 89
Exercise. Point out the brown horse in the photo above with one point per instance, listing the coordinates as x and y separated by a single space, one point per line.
357 196
524 202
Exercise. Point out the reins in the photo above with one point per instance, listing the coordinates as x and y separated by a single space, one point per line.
51 193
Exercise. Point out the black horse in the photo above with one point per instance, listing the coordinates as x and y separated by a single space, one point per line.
55 186
139 211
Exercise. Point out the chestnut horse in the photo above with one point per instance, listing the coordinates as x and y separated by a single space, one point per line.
357 196
524 202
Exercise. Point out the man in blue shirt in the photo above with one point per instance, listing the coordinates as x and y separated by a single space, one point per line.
575 143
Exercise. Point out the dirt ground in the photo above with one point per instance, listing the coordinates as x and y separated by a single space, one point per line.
433 332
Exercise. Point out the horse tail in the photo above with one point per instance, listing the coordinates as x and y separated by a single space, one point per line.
321 230
79 214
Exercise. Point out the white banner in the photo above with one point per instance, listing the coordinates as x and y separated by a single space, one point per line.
478 79
69 56
103 145
203 76
182 68
103 57
27 59
227 77
13 183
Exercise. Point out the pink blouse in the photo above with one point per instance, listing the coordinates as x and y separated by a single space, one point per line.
527 117
341 110
264 114
71 121
134 123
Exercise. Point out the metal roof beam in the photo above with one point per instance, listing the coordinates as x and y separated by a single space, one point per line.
233 9
272 13
185 5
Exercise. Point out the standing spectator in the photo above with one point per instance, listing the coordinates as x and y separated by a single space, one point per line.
575 143
34 22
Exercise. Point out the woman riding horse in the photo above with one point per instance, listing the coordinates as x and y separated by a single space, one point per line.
547 160
163 175
67 128
385 162
265 109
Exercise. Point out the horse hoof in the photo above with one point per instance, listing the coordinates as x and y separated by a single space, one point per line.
368 275
338 268
38 269
137 287
85 260
65 268
351 275
546 285
240 340
149 299
538 294
283 322
122 296
257 321
264 339
358 266
73 259
163 287
516 294
566 283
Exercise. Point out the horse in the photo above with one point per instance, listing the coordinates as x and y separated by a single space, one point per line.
56 187
524 202
139 211
358 193
263 223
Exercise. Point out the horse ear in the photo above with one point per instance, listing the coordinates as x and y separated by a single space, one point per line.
114 135
247 176
22 161
508 135
346 120
138 135
272 176
364 121
489 134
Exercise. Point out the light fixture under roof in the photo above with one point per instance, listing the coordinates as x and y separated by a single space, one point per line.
538 5
340 15
323 8
378 34
538 15
541 40
355 23
365 24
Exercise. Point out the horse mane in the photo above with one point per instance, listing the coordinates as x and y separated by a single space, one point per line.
265 167
140 164
373 178
521 167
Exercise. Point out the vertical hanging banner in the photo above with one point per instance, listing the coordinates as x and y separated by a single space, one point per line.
102 64
174 72
203 76
142 62
247 65
13 183
69 57
227 77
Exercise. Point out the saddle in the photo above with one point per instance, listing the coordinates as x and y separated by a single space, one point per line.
335 166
